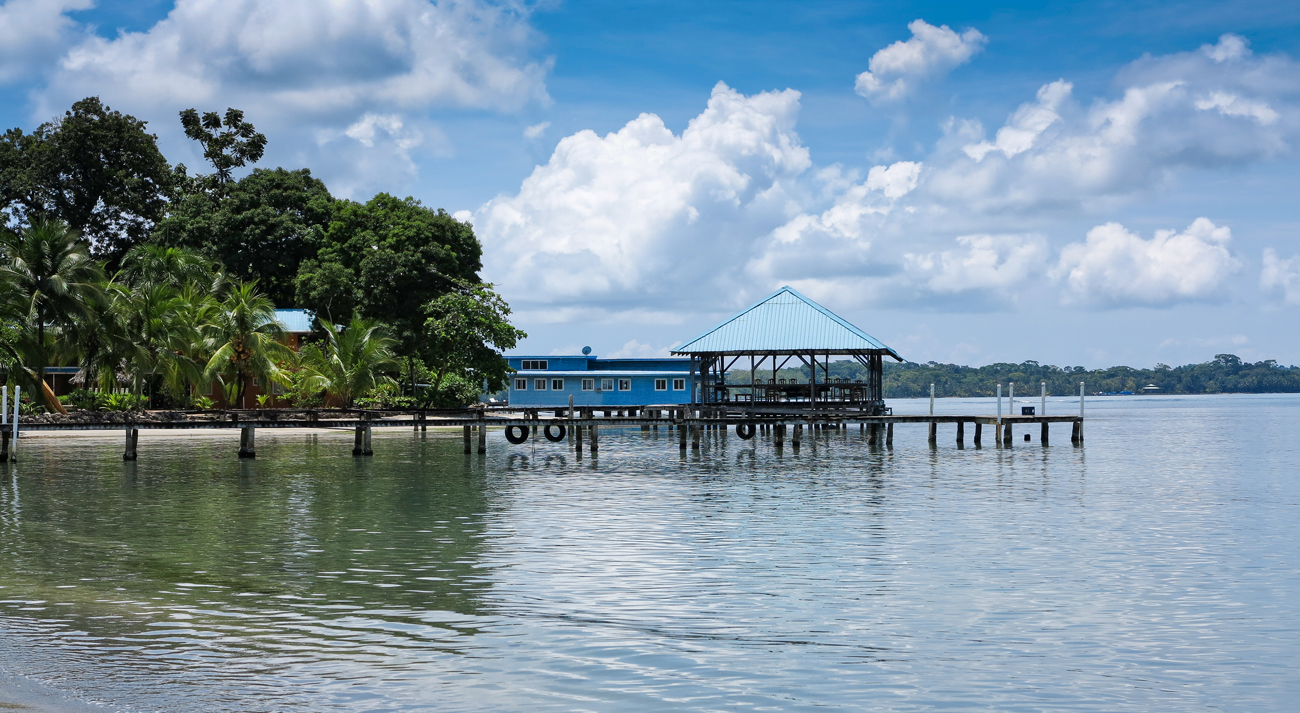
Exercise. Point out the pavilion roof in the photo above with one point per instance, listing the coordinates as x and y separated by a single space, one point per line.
785 322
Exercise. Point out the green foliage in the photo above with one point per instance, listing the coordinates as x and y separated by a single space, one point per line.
262 228
95 169
351 362
263 399
201 402
384 396
245 341
227 145
103 401
1227 373
464 333
399 256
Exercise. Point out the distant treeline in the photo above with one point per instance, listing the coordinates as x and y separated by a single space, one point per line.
1227 373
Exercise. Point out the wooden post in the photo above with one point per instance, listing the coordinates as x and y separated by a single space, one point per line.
798 434
365 442
132 437
595 442
934 433
780 435
4 446
695 437
889 435
681 436
979 431
247 446
997 434
1043 436
1006 434
18 394
577 439
1074 433
465 436
961 433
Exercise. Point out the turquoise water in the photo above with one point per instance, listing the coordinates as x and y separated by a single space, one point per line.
1158 568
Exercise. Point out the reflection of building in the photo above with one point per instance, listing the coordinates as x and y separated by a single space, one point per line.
297 325
549 381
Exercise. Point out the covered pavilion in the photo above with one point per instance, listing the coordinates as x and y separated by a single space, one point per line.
783 327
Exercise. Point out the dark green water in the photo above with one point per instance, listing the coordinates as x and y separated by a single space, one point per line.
1156 569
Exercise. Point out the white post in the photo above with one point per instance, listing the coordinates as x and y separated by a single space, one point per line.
1011 399
999 404
4 407
1042 407
13 447
1080 399
931 399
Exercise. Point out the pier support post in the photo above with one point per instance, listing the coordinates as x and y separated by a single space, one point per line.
681 436
934 433
247 445
4 447
961 433
979 431
132 438
1006 434
1076 437
997 434
577 439
361 441
466 438
780 435
695 437
1043 436
595 441
798 435
889 435
482 438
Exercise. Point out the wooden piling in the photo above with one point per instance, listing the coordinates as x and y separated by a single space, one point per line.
780 435
889 435
961 433
595 443
482 439
132 439
695 437
1006 434
979 431
4 447
934 433
465 437
1042 438
247 445
798 435
681 436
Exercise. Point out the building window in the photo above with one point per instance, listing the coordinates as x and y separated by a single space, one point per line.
588 384
606 384
539 384
533 365
624 384
679 384
521 384
557 384
661 384
257 382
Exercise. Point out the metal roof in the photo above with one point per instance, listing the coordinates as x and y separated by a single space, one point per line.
294 320
787 322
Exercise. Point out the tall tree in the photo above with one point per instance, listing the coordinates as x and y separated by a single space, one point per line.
51 284
352 361
399 255
465 333
263 228
245 341
96 169
227 144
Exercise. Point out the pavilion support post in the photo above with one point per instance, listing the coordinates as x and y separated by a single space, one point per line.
465 436
132 438
1042 437
247 445
961 433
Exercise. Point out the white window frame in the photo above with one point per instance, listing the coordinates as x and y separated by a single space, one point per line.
606 385
679 384
624 384
539 384
588 384
521 384
661 384
557 384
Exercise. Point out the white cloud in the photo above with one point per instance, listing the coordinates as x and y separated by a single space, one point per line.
894 71
536 130
1115 267
642 212
372 125
1281 277
1027 124
1229 47
988 262
1233 105
33 33
638 350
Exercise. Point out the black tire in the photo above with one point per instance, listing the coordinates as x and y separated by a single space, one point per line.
745 431
510 434
555 439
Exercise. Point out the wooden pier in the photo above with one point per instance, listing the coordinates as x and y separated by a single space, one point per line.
577 427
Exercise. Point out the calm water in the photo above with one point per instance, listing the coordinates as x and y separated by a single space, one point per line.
1156 569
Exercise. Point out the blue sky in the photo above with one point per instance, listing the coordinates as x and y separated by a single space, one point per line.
1077 183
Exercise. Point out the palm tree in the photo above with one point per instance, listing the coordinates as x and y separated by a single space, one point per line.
244 340
354 360
51 284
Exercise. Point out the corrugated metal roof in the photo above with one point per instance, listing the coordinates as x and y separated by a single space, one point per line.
782 322
294 320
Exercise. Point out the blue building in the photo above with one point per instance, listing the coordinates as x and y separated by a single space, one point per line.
549 381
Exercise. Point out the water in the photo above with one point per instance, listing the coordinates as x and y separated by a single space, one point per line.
1155 569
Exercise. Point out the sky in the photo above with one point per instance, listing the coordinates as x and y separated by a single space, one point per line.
1081 184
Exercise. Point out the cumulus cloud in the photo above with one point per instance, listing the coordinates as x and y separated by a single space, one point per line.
33 33
536 130
642 212
1114 267
985 262
1214 107
1280 278
896 70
